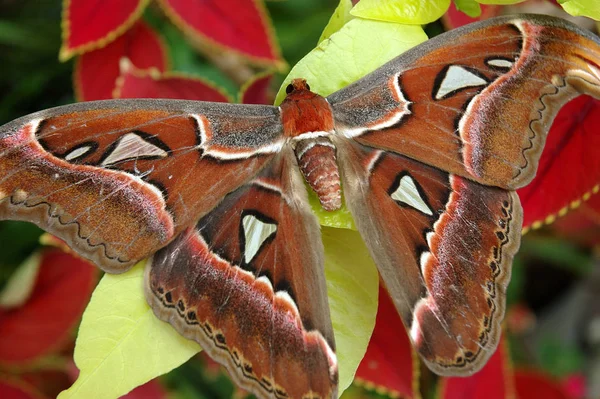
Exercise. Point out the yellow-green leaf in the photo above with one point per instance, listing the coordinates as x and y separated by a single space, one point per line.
404 12
121 344
469 7
352 286
586 8
340 16
360 47
341 219
20 284
500 1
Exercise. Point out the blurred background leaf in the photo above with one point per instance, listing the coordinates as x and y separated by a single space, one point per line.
555 289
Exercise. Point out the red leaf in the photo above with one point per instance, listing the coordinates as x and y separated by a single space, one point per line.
574 385
50 240
137 83
256 90
91 24
61 293
96 72
390 365
493 381
531 384
453 18
48 382
583 224
150 390
519 319
242 26
569 169
15 389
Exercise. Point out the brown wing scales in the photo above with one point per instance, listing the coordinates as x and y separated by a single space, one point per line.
251 278
118 180
443 245
477 101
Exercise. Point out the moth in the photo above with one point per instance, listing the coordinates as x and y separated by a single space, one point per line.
427 151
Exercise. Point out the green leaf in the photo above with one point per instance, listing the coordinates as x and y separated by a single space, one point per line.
339 18
360 47
340 219
417 12
20 284
586 8
121 344
558 357
500 1
469 7
19 240
352 287
559 253
514 291
23 35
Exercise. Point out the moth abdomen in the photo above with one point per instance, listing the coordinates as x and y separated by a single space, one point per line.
318 164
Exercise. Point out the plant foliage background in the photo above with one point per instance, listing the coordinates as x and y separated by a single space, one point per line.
552 347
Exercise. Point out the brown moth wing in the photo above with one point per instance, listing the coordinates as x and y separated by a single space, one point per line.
248 285
443 245
119 179
476 101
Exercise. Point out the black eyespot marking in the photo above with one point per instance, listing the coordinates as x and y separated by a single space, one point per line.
289 89
169 297
265 382
307 86
220 338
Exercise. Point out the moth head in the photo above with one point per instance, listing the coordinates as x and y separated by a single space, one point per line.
303 111
298 89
